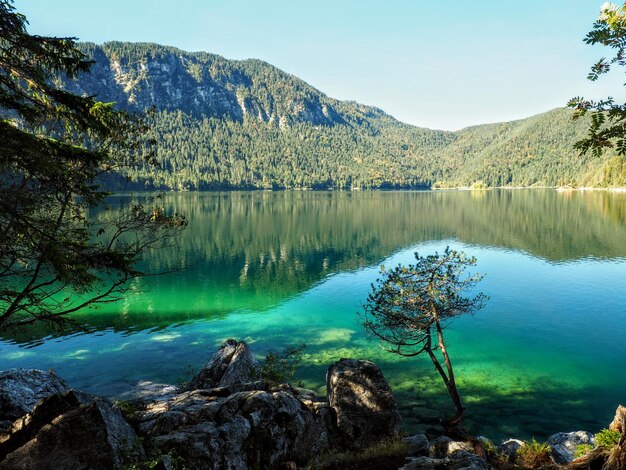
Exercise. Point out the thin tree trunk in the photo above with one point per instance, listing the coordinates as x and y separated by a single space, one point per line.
451 383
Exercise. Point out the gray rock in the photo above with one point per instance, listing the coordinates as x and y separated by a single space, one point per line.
418 444
459 460
464 460
422 463
22 389
564 444
443 446
147 391
71 431
251 429
364 407
509 448
233 364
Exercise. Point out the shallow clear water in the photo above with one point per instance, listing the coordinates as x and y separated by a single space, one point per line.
547 354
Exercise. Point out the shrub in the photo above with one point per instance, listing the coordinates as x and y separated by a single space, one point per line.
478 185
281 367
534 454
582 450
494 456
607 438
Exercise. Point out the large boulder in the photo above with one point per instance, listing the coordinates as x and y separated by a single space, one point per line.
564 444
231 366
70 431
249 429
364 407
22 389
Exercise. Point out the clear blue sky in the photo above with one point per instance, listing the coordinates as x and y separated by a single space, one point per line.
441 64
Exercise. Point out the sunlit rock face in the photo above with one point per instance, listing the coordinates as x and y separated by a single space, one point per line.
362 401
619 421
232 365
21 389
70 431
203 85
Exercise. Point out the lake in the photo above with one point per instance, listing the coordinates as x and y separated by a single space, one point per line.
546 354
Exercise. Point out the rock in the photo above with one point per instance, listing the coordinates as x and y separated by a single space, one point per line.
22 389
251 429
459 460
418 444
619 421
364 407
464 460
509 448
564 444
422 463
71 431
443 446
146 391
439 447
233 364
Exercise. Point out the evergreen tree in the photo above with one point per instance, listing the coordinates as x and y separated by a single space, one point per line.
54 148
408 307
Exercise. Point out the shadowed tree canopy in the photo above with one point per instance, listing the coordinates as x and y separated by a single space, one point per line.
607 128
409 306
54 148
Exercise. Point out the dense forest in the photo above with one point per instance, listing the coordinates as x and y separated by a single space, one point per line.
226 124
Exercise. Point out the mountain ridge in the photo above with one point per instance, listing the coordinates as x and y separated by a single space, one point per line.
245 124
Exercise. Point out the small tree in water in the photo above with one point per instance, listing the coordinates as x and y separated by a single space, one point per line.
409 306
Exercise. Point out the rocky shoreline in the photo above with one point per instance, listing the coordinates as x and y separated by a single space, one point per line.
227 417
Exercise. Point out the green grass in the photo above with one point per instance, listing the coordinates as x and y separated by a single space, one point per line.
582 450
607 438
533 454
394 447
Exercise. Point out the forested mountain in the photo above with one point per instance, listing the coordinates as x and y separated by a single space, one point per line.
226 124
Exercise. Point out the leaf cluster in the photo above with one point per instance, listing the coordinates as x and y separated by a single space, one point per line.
608 118
280 367
406 301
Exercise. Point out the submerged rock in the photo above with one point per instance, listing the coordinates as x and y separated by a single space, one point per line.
564 444
443 446
251 429
232 365
22 389
364 407
70 431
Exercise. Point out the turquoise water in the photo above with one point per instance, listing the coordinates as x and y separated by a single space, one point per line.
547 353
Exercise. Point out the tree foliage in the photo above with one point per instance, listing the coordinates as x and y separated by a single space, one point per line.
409 306
55 148
607 127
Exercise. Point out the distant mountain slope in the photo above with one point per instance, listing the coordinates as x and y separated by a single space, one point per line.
226 124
